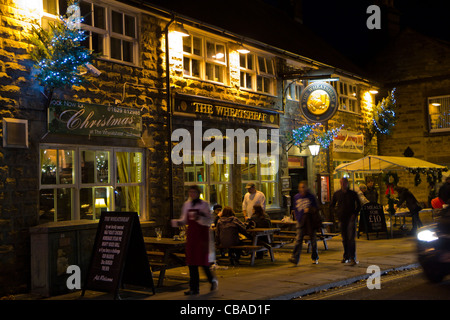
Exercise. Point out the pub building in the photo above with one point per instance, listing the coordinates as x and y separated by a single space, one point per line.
168 87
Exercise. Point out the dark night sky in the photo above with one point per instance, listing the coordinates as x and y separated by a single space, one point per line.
343 23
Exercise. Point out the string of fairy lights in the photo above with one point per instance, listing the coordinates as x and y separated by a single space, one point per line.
314 132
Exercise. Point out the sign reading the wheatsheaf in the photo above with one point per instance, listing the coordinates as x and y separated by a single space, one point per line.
224 111
318 102
71 117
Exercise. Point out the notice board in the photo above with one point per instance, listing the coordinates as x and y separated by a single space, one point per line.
372 219
118 255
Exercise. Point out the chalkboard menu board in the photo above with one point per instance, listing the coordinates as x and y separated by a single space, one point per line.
119 254
372 219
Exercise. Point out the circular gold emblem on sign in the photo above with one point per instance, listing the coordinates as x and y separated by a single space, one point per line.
272 118
318 102
183 105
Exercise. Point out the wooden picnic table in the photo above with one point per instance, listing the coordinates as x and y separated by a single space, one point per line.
401 213
257 233
164 254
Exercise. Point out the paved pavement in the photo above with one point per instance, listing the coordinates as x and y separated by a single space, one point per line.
279 280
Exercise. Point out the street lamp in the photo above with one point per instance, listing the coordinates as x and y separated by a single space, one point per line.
314 149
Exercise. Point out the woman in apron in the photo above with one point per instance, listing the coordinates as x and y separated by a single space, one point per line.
196 214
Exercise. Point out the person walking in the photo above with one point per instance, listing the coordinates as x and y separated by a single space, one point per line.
196 214
252 197
406 196
306 213
346 204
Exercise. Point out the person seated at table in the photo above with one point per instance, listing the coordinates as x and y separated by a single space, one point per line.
215 214
260 219
405 196
227 233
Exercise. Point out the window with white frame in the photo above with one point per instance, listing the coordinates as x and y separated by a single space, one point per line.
80 182
112 33
214 180
264 176
293 91
204 59
257 73
348 96
248 71
439 113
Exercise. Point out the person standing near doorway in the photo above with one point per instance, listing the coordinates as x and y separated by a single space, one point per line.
346 204
252 198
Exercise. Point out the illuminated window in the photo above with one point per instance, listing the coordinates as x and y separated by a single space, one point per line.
214 181
79 183
248 71
264 176
257 73
112 33
204 59
348 96
293 91
439 113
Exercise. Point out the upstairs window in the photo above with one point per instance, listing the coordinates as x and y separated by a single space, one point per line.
439 113
257 73
112 34
204 59
348 96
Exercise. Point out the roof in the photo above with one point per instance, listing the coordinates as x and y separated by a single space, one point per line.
373 164
258 20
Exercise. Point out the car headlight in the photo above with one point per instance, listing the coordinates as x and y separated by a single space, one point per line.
427 235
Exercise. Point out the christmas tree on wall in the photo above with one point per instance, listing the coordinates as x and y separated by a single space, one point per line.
384 116
58 52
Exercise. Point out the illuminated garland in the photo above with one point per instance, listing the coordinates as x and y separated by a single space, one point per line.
301 134
384 116
58 53
326 138
305 132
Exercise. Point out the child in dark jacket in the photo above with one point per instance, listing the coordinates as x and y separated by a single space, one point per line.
260 219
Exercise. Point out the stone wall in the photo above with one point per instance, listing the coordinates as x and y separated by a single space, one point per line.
20 97
413 64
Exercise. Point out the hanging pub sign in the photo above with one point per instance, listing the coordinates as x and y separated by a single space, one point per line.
72 117
318 102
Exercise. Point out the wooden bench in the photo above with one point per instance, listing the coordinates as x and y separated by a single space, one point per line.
158 262
250 248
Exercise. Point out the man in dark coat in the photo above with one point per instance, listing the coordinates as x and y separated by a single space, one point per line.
346 204
405 196
371 193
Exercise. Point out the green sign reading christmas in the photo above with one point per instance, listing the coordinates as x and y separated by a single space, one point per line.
71 117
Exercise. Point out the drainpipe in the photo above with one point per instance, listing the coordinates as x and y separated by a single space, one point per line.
170 113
